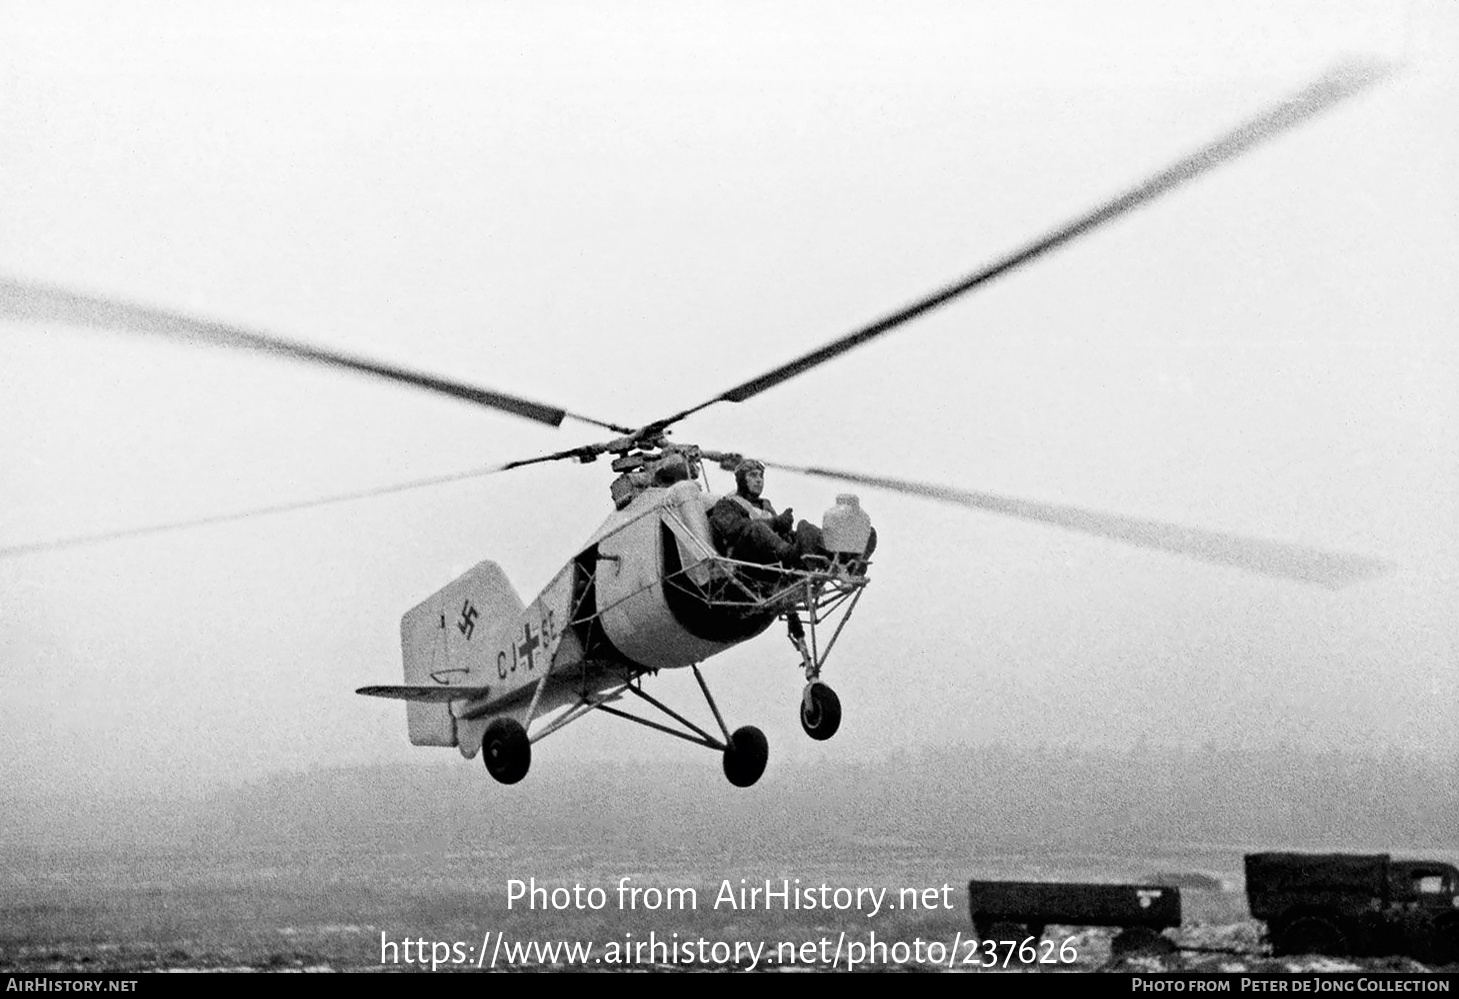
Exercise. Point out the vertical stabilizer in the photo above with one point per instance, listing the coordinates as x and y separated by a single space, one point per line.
445 643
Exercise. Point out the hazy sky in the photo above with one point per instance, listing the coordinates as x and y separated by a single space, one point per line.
625 211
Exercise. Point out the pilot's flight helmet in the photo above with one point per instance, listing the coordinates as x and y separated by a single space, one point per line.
745 467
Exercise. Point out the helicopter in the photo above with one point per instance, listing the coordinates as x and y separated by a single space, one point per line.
652 589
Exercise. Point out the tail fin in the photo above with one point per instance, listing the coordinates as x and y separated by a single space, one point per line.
445 643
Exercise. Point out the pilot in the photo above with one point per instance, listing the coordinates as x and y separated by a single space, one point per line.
746 527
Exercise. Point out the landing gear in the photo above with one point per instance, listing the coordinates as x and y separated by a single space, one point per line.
744 753
820 708
506 751
745 756
820 711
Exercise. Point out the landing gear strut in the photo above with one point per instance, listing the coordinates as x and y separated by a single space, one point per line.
820 708
744 753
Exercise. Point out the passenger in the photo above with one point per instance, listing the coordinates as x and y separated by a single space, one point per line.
746 527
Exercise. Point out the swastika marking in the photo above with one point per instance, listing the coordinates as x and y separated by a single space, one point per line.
467 624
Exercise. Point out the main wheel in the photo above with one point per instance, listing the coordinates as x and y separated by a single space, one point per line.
745 756
506 751
1310 935
1444 945
1140 940
820 711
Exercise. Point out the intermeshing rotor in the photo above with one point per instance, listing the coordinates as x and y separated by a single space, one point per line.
644 456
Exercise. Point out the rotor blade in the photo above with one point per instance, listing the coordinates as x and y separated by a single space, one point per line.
43 303
1267 558
1334 86
39 547
585 453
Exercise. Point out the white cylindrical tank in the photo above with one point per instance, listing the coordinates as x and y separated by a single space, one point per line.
846 527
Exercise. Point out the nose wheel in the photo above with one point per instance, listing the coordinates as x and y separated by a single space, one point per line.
820 711
820 708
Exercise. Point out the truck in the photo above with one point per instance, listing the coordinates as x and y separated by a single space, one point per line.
1019 910
1348 904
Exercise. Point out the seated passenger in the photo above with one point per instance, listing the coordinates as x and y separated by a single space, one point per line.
746 527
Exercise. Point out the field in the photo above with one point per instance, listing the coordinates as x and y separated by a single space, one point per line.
331 910
390 868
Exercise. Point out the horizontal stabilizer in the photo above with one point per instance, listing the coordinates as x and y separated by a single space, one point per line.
436 694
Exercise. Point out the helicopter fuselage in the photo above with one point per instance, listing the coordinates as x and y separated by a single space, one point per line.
633 600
